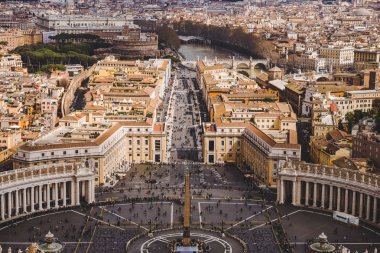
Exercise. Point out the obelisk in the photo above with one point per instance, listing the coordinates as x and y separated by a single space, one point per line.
186 241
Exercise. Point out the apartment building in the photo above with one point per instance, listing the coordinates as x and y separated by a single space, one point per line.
368 58
367 145
338 56
258 153
107 146
9 61
249 126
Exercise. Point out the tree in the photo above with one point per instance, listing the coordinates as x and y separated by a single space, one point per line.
353 118
49 68
233 38
340 125
168 36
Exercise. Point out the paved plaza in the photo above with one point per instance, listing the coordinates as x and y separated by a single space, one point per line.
108 228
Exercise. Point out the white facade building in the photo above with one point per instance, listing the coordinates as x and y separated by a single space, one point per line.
83 23
338 56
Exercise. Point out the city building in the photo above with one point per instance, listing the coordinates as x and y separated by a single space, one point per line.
338 57
83 23
17 37
107 147
366 144
366 59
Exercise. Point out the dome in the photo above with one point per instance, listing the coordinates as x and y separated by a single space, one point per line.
362 12
275 69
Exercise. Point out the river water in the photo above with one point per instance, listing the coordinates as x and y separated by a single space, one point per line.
191 52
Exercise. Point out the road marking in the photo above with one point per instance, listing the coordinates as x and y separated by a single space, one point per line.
314 212
98 220
200 216
250 217
172 214
121 217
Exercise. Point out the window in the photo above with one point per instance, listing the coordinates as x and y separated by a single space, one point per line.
76 151
42 154
211 158
52 153
157 158
211 146
64 152
86 151
157 145
146 142
138 142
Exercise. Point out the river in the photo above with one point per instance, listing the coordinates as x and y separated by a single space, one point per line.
191 52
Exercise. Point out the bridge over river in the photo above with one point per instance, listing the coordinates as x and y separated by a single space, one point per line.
251 66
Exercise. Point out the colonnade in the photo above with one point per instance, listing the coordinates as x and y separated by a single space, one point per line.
327 196
330 188
39 188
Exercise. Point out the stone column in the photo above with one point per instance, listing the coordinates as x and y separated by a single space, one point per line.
299 186
374 218
17 202
323 195
307 194
83 186
24 200
77 191
92 191
32 199
27 196
294 193
89 195
361 205
40 197
346 201
282 192
9 204
56 185
47 196
368 209
63 190
72 193
2 207
353 211
331 197
315 195
338 200
279 182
